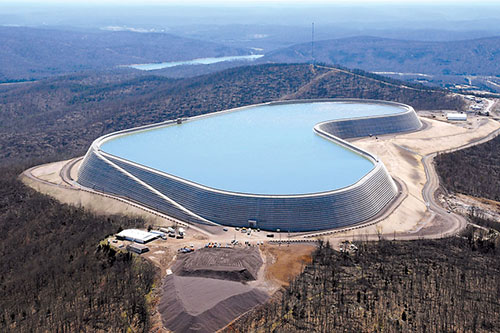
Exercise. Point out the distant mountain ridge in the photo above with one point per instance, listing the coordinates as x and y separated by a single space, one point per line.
477 56
29 53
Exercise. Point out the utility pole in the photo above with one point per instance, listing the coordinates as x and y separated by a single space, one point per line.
312 44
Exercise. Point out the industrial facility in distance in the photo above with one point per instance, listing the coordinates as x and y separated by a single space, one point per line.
280 165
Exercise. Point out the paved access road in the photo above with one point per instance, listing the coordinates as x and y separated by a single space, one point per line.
456 222
450 223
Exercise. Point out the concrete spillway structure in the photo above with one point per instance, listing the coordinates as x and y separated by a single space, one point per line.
314 204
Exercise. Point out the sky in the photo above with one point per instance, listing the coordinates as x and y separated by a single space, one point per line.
353 14
248 2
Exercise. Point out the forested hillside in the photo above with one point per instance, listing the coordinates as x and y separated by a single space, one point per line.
476 56
62 116
31 53
449 285
474 171
53 275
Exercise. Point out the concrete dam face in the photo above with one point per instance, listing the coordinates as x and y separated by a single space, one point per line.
278 165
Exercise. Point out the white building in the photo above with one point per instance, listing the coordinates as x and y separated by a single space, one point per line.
454 116
136 235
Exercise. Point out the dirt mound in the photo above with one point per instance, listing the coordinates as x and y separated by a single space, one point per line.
194 304
220 263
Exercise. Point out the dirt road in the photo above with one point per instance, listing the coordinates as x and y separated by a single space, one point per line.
456 222
449 223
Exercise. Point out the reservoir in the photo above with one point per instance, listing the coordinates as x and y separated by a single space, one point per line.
262 149
200 61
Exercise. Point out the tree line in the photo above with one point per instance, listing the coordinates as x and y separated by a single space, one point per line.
64 115
474 171
54 275
449 285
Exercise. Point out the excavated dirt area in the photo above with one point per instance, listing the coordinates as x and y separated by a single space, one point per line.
195 304
236 264
210 287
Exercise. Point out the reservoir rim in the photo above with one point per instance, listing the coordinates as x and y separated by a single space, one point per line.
96 145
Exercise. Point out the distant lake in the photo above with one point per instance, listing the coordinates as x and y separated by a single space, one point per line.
199 61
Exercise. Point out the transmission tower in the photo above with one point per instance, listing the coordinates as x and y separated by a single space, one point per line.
312 44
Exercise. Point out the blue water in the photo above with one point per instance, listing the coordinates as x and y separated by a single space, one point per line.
200 61
268 149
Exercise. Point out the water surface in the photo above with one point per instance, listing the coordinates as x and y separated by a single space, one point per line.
270 149
200 61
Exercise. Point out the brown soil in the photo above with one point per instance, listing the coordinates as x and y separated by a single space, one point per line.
494 205
461 203
236 264
284 262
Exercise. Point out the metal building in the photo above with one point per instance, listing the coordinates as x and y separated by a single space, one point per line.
136 235
137 248
455 116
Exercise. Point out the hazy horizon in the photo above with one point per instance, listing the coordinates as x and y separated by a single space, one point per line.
357 15
254 2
